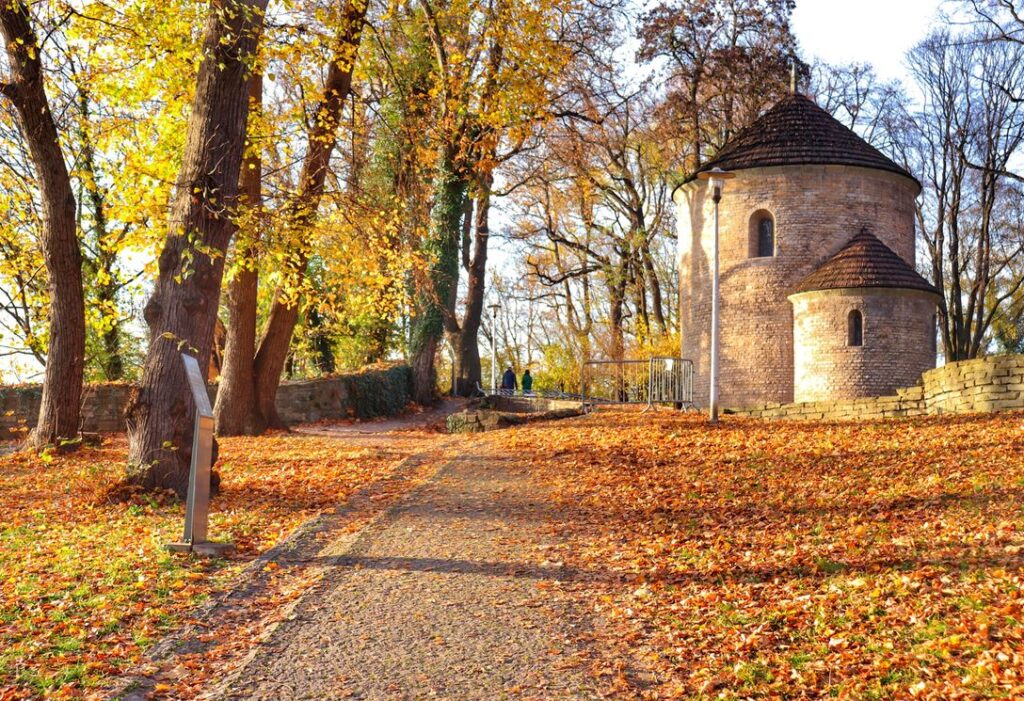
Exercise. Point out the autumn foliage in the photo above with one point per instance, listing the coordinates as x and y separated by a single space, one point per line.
796 559
875 559
85 584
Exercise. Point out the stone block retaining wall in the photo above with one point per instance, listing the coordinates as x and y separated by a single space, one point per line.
373 392
988 384
493 413
528 405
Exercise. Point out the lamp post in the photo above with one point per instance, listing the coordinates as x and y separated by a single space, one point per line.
494 334
716 178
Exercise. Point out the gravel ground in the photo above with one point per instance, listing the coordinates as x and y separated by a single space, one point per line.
396 427
447 596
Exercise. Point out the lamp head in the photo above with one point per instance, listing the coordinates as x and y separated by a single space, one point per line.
716 178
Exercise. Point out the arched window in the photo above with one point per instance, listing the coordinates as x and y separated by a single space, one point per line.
855 335
765 237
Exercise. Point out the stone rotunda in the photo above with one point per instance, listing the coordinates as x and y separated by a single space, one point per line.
819 296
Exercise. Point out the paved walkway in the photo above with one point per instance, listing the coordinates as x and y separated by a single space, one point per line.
447 596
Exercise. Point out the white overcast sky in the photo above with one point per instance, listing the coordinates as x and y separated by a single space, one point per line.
866 31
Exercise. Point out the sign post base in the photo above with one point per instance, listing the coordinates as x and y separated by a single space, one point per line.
206 549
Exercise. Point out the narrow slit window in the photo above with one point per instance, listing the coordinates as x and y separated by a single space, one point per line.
765 238
856 332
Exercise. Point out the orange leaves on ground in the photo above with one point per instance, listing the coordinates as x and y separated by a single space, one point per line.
85 585
774 559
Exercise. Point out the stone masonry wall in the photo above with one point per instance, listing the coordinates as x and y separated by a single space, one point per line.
494 413
898 342
816 209
376 392
988 384
102 407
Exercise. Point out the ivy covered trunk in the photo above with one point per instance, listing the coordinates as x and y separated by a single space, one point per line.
435 294
182 311
59 414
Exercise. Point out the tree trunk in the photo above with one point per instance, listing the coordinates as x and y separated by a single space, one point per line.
271 357
424 374
466 340
60 412
411 110
638 282
273 350
112 361
100 270
467 363
435 293
657 304
323 351
182 311
380 339
616 314
236 410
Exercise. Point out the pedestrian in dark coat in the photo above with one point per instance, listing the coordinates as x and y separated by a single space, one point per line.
508 382
527 382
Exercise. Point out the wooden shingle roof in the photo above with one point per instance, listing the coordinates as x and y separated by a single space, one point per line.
865 262
798 132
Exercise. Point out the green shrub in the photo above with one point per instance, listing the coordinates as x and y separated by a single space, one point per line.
379 390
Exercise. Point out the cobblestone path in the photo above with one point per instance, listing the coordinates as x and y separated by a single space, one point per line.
448 595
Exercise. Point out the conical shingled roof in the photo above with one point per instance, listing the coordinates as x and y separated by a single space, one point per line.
798 132
865 262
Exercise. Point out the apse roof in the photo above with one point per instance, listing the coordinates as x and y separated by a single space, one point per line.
865 262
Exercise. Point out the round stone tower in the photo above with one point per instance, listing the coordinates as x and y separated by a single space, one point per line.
804 186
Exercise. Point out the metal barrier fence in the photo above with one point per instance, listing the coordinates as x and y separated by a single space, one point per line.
658 380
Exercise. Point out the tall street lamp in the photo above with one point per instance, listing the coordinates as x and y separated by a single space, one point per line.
716 178
494 334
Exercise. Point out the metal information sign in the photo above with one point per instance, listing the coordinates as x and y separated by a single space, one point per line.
197 506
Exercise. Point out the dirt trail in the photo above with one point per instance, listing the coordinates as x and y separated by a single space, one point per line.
446 596
447 591
433 417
